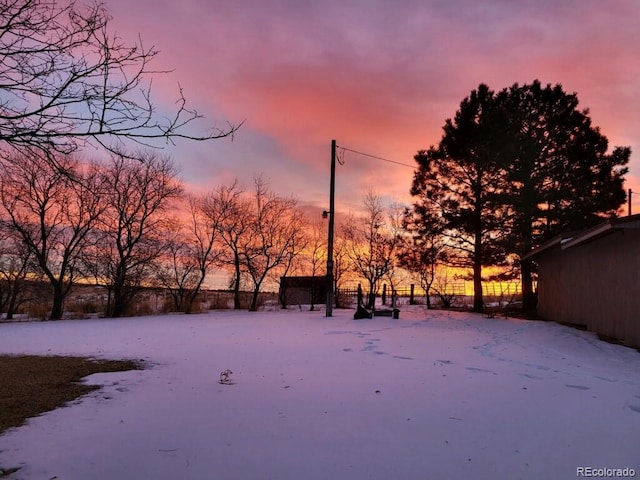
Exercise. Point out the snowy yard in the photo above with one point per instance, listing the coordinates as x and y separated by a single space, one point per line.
433 395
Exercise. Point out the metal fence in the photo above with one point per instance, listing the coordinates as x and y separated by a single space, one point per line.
459 293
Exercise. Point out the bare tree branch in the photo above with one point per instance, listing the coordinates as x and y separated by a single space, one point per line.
66 81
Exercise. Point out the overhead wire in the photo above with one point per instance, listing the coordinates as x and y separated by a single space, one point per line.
345 149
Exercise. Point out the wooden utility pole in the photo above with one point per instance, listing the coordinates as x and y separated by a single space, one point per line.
332 188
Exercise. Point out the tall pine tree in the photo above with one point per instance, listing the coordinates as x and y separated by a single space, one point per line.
464 180
514 169
560 175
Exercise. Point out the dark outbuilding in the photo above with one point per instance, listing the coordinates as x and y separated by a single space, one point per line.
592 279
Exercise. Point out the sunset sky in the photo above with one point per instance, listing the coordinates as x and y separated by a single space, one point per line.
380 77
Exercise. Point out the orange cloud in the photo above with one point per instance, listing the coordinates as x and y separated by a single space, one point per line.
379 77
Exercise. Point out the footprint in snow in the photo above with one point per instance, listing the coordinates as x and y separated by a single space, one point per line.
403 358
528 375
578 387
476 369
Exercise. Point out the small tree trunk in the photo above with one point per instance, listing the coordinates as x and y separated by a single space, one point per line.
312 307
236 284
14 295
117 308
478 303
254 300
186 301
58 303
528 296
372 297
282 296
119 303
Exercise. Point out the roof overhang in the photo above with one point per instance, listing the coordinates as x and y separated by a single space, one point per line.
605 228
569 240
555 243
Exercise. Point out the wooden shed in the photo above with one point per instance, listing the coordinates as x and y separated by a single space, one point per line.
303 290
592 279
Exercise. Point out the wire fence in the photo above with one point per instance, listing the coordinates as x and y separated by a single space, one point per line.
453 294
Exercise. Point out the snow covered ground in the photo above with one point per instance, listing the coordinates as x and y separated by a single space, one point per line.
433 395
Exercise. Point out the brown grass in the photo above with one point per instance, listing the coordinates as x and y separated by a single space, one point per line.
32 385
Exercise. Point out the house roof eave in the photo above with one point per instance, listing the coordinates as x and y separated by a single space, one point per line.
569 240
555 242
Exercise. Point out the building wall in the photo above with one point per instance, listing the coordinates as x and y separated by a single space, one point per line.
300 290
596 285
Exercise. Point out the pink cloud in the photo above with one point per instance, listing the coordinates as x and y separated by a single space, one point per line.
380 77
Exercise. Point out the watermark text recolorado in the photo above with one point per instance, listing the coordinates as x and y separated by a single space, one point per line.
605 472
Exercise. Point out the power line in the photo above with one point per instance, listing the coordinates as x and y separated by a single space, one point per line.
344 149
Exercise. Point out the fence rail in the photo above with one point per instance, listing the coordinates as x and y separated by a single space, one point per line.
453 293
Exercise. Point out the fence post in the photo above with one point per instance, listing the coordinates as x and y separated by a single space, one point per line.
411 299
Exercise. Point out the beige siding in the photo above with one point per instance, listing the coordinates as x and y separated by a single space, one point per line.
596 285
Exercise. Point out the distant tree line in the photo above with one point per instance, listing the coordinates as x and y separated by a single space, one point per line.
67 81
121 223
126 223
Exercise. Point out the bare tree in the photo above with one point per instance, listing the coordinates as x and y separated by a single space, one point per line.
398 234
228 211
341 264
66 78
52 213
316 254
445 287
177 268
191 252
277 235
15 266
426 250
372 244
292 261
316 257
139 192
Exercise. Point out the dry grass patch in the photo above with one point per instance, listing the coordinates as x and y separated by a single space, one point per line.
32 385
